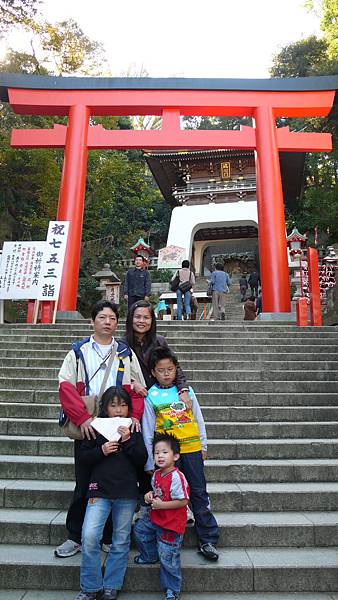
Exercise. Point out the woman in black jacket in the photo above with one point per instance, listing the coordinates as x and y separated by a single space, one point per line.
141 337
112 487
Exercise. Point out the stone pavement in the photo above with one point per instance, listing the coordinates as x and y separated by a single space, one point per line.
269 395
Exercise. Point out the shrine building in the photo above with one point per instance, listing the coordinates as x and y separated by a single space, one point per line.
213 194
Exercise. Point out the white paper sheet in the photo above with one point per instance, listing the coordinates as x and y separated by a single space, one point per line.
108 426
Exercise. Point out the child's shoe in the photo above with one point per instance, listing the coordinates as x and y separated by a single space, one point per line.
109 594
89 596
170 595
209 551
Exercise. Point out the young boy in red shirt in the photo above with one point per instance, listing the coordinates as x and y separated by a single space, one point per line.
159 533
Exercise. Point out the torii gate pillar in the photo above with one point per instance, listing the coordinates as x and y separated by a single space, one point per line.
271 220
71 200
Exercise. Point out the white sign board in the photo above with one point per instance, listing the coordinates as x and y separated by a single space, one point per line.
52 265
33 270
171 257
20 270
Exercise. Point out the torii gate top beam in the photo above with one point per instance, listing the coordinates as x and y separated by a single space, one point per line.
145 95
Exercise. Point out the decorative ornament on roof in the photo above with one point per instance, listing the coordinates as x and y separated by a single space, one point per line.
141 247
296 242
295 235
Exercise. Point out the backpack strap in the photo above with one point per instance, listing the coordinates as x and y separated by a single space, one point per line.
122 352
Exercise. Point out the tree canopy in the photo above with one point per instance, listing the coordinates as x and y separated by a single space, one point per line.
122 201
318 206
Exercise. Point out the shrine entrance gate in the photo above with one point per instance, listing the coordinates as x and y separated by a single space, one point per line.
263 100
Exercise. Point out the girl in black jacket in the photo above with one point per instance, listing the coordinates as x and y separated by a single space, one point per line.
113 487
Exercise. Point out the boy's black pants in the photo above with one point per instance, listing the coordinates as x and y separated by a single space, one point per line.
191 464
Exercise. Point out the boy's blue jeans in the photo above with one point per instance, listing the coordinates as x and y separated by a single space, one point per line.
155 543
187 297
97 512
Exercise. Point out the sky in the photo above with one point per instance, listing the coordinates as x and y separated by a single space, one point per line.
189 38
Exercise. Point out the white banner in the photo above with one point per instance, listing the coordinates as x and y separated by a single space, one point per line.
171 257
52 265
20 270
33 270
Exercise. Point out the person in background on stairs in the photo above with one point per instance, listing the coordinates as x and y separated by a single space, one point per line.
243 286
142 338
82 372
164 412
254 281
112 488
185 289
259 306
159 534
249 308
137 284
220 283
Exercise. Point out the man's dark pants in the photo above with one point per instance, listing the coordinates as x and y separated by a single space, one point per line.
191 464
133 299
78 505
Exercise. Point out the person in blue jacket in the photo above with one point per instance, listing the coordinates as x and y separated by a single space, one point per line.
220 282
137 284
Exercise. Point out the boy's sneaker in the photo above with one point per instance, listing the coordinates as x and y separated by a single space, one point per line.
170 595
190 517
209 551
89 596
109 594
68 548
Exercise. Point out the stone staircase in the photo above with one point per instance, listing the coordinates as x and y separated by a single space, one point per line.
233 305
269 394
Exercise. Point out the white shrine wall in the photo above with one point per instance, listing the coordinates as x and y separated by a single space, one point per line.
187 220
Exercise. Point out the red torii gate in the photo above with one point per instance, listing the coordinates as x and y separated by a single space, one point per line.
265 139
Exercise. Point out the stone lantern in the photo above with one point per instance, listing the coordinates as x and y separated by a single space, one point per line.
296 243
109 284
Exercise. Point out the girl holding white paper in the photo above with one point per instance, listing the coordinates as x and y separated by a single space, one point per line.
112 487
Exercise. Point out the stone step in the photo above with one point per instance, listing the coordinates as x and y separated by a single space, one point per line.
179 348
217 448
224 497
241 569
247 398
225 429
267 470
272 338
309 360
319 363
70 595
228 384
311 529
162 326
210 413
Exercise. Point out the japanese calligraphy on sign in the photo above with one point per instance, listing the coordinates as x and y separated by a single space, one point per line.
20 269
225 170
33 270
51 272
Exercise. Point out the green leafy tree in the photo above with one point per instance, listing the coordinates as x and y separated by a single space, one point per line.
66 49
318 205
14 13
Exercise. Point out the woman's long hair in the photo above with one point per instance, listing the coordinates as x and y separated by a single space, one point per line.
150 336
